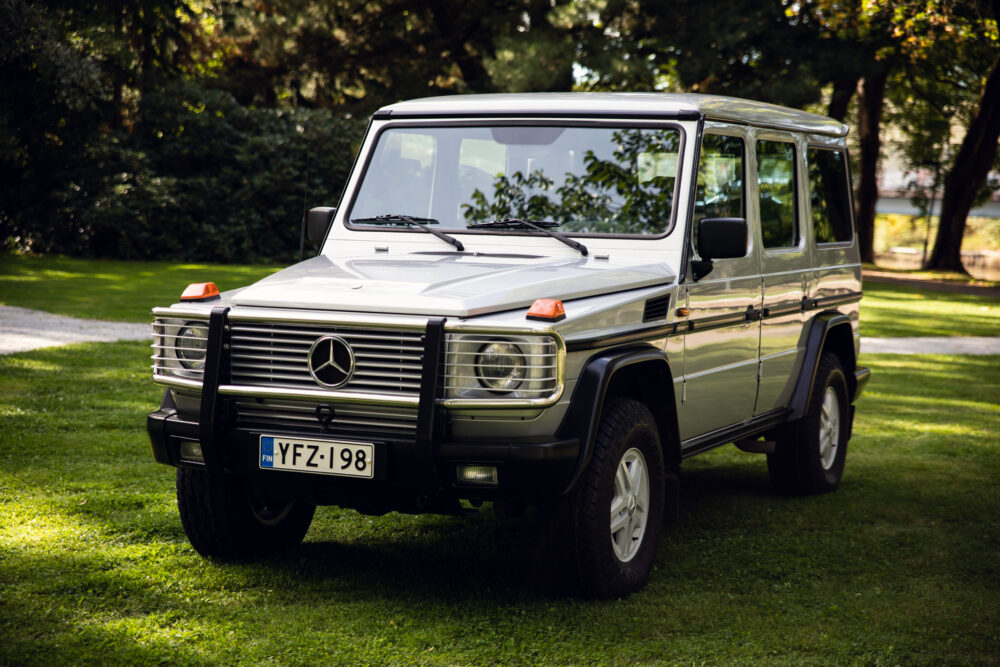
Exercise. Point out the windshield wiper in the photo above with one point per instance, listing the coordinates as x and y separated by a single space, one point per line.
538 225
414 221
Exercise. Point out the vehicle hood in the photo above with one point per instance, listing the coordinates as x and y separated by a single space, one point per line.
452 286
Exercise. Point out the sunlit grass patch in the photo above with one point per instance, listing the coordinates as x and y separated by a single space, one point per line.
900 565
899 310
110 289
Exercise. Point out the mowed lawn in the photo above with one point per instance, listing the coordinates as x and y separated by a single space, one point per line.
108 289
900 566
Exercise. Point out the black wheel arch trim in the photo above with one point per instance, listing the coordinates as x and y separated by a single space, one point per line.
816 337
583 417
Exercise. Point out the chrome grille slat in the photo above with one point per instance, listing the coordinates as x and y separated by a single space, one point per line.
381 383
402 358
264 357
276 355
374 346
271 376
265 366
380 374
265 348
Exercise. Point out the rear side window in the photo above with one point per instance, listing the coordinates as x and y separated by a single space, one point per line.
776 185
831 212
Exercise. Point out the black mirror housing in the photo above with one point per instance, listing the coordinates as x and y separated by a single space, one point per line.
722 238
318 223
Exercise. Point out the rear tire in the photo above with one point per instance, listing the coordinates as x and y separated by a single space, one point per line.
617 509
227 518
810 453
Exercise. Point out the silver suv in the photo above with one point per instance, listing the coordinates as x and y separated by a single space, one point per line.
549 300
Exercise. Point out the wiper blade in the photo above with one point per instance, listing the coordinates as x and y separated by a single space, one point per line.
538 225
414 221
514 223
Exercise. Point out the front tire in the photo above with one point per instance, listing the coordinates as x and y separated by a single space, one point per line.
618 507
227 518
810 453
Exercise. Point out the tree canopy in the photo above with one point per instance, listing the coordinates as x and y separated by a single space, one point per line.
146 128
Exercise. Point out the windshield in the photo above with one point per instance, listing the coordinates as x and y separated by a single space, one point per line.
588 180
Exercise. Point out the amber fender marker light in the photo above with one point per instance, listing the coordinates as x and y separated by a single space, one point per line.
548 310
200 292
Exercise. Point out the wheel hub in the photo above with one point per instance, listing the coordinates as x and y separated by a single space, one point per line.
829 428
629 505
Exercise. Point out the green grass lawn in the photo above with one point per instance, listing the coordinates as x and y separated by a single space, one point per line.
900 310
900 566
114 290
107 289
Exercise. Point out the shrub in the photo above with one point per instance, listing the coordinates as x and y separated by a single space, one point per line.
204 179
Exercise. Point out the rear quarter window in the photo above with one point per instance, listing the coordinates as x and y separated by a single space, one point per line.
829 196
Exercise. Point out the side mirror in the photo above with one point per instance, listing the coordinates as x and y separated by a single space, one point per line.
719 238
318 223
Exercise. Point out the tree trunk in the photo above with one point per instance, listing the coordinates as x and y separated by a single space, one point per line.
843 90
869 119
474 74
962 183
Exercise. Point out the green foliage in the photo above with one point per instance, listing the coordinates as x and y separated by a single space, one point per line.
152 128
207 179
899 566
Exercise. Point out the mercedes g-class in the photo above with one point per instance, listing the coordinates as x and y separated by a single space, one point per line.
540 299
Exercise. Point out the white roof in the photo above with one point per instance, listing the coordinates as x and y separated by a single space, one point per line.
638 105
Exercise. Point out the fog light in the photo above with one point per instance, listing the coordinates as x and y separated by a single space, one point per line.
191 451
475 474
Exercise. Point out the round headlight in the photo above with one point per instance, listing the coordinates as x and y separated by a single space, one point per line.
500 366
192 342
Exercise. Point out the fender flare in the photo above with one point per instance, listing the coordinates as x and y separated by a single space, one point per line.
816 338
583 417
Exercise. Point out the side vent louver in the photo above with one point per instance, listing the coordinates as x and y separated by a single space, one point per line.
656 309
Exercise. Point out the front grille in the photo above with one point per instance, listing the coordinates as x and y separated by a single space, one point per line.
387 361
350 419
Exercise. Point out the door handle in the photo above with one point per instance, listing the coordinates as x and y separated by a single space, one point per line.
752 314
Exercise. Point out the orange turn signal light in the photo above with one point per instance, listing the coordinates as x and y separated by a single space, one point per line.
549 310
200 292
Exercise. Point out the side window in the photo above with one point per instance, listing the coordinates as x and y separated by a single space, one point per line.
776 184
720 180
831 213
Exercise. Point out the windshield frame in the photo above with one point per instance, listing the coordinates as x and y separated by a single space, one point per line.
546 121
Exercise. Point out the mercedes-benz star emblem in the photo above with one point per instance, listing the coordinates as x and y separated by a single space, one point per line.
331 361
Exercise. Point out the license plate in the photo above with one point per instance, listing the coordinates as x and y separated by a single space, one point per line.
327 457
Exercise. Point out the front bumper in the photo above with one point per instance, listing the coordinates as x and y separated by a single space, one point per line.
527 470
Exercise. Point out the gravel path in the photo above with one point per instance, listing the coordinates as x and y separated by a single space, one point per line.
23 329
932 345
